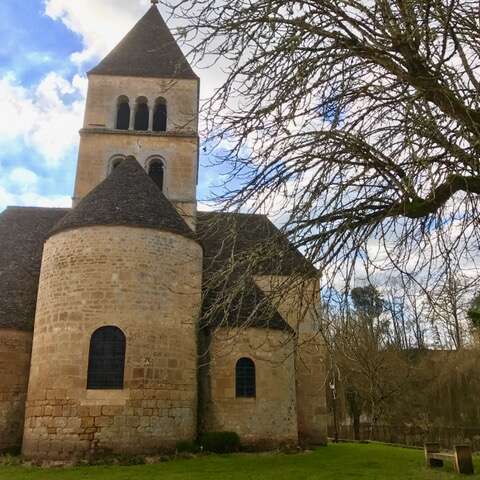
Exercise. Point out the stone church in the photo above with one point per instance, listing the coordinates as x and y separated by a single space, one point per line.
105 343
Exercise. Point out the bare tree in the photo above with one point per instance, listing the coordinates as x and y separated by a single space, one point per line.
371 371
407 305
448 307
359 121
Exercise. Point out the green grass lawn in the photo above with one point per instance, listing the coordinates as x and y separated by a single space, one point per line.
343 461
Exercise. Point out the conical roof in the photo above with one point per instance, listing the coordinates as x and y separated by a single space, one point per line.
126 197
148 50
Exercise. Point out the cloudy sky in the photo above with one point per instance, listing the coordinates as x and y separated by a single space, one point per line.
47 46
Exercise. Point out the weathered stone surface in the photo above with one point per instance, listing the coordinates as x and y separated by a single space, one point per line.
271 417
178 147
145 282
15 348
296 301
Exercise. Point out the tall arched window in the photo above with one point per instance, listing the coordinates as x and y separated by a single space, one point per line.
141 114
245 383
106 361
160 115
156 171
123 113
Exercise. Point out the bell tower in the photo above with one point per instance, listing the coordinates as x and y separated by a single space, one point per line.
143 101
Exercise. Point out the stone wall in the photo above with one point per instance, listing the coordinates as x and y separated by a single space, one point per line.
145 282
178 154
269 419
313 415
297 301
177 147
104 91
15 351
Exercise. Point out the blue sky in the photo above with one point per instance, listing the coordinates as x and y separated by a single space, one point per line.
47 46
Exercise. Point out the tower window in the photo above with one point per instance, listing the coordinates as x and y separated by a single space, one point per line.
123 114
160 116
245 383
115 163
106 362
141 114
156 171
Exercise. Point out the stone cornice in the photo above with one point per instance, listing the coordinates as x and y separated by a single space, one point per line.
136 133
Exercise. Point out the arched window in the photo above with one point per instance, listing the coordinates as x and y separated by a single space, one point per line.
141 114
160 115
106 361
245 384
156 171
123 113
115 162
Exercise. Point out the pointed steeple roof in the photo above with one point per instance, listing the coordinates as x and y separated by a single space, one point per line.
148 50
127 197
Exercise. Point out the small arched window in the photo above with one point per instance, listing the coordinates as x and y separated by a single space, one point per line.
123 113
245 383
156 171
160 115
106 361
115 163
141 114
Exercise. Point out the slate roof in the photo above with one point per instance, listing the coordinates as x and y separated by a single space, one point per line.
236 248
248 307
129 197
148 50
24 230
228 235
22 233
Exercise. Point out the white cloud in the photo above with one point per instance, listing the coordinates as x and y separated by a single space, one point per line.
100 23
32 199
44 117
23 178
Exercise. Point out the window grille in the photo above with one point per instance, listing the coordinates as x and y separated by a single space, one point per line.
106 361
245 378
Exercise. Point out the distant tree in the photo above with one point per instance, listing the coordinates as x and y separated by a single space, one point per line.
372 371
474 317
367 301
448 307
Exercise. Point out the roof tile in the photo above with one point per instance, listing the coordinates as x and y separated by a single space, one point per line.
148 50
129 197
22 233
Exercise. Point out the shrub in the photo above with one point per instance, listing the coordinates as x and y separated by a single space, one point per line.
12 451
186 446
220 442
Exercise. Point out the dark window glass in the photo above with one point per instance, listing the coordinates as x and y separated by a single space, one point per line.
106 361
141 117
160 117
245 378
123 116
156 173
